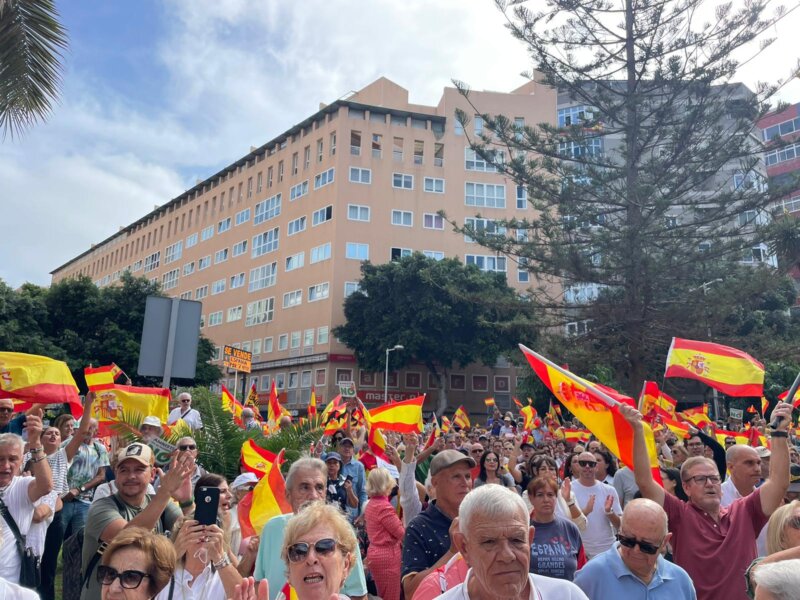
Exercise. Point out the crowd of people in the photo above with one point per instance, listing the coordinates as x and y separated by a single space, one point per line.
485 512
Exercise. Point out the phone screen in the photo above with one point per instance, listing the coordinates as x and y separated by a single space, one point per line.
206 505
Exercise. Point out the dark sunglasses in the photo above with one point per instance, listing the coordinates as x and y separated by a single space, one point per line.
185 401
129 580
631 542
299 551
6 411
587 463
185 447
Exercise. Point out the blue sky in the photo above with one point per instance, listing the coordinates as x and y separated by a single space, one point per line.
160 93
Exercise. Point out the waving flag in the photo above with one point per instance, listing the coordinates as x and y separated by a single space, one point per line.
128 400
252 401
653 399
796 402
232 405
257 460
740 436
731 371
574 435
403 417
597 410
446 424
435 432
530 415
269 496
312 404
101 378
697 416
38 380
489 402
274 409
461 418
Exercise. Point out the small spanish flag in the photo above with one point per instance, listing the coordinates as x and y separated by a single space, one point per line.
312 404
489 402
461 418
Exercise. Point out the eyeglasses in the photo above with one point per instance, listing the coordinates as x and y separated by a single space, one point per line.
299 551
694 444
701 479
186 400
185 447
632 542
129 580
587 463
6 410
478 451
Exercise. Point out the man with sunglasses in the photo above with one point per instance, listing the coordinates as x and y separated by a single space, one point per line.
599 502
714 544
7 424
633 567
184 410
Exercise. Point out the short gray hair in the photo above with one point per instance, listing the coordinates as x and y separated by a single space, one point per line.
6 439
305 463
732 453
492 501
781 579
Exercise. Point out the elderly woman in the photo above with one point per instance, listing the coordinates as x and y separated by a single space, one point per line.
494 537
318 548
137 565
778 581
385 532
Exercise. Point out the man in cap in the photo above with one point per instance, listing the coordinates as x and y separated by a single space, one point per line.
353 469
191 416
340 490
132 506
427 544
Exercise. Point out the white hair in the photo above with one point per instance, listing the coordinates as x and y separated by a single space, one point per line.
7 439
781 579
306 463
493 501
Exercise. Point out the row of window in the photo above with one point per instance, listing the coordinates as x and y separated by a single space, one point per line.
781 129
784 154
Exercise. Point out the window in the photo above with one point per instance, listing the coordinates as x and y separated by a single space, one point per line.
332 143
264 243
435 255
360 175
224 225
218 287
485 194
355 143
296 226
169 280
458 127
267 209
404 218
523 276
201 292
318 292
522 197
237 281
220 256
262 277
474 162
207 234
204 263
356 251
324 178
298 191
519 128
280 171
578 327
419 152
587 147
294 339
283 341
259 183
749 181
234 314
306 157
575 115
137 266
398 253
438 155
308 339
433 221
295 261
320 151
358 212
260 311
295 163
487 263
240 248
320 253
269 178
377 145
151 262
268 345
188 268
350 287
186 295
243 216
294 298
781 129
478 122
402 181
305 379
293 380
173 252
487 226
321 216
215 318
397 149
191 240
434 185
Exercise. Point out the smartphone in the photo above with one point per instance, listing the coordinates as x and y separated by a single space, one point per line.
206 503
349 478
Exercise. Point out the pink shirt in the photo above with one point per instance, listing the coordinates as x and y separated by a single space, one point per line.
716 554
384 527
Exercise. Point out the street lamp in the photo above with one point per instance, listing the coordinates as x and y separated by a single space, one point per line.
386 374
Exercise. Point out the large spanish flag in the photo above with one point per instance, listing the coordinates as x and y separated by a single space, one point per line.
269 496
404 417
125 401
375 439
731 371
29 378
232 405
598 411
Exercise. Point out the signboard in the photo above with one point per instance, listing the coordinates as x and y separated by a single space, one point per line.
239 360
347 389
170 334
376 396
737 413
162 451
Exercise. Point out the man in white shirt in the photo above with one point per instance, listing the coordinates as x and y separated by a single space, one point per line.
745 468
600 503
185 411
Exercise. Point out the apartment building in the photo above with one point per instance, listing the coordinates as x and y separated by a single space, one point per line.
272 244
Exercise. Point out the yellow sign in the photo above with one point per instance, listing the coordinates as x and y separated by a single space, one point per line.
239 360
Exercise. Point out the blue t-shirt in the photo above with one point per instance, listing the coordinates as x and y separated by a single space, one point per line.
15 425
555 548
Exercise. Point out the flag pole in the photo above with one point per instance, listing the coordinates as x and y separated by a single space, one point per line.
789 399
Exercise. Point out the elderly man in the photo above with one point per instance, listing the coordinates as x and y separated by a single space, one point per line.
599 502
249 419
494 537
88 471
305 483
633 568
150 428
353 469
20 493
427 544
7 424
184 411
714 544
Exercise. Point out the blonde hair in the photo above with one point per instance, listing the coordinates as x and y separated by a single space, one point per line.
315 515
157 549
776 540
379 482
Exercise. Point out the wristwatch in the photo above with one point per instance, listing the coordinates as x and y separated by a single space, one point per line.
82 489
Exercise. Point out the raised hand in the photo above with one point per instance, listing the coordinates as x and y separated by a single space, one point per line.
609 503
250 590
589 505
566 489
631 415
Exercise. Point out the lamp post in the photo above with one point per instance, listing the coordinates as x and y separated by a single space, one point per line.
386 374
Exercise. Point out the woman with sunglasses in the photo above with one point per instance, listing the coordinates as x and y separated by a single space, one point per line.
137 565
318 548
492 471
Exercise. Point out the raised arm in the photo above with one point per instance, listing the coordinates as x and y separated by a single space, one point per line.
43 477
83 428
774 488
641 461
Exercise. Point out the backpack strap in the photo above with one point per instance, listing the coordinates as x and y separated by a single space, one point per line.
12 525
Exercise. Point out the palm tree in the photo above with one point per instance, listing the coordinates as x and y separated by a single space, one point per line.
31 44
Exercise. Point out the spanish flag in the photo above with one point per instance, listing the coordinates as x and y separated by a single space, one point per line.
127 400
517 402
403 417
101 378
697 416
796 402
461 418
269 496
530 416
287 592
375 440
653 398
489 402
334 415
764 406
741 437
598 411
574 435
274 409
252 401
256 459
446 424
232 405
731 371
38 380
312 404
435 432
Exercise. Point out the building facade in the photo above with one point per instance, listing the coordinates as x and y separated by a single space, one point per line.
272 244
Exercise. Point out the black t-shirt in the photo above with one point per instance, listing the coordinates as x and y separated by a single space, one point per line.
427 539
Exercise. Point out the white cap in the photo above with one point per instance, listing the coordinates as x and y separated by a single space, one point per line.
243 480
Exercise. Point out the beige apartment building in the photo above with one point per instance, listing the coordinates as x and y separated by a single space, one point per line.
272 244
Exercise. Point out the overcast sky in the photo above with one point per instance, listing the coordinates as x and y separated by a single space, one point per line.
160 93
